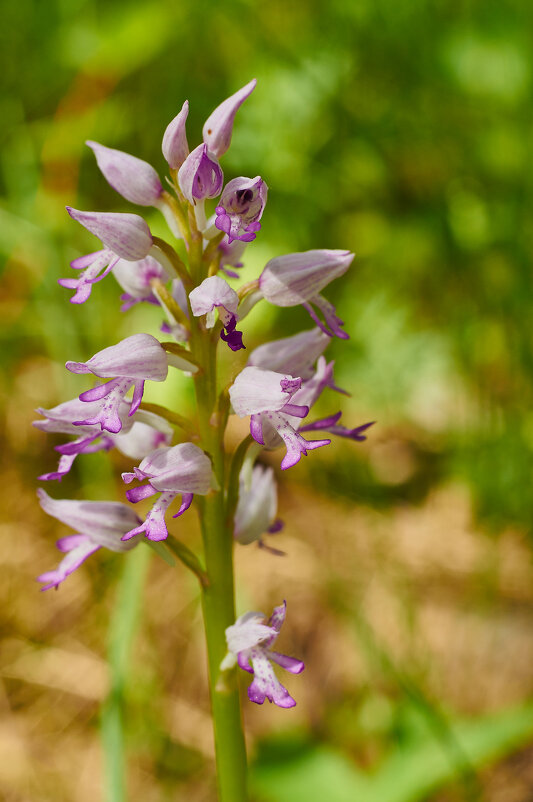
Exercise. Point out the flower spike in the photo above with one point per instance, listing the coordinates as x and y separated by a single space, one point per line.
218 127
133 178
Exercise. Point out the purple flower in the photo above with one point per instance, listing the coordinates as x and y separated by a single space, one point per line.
135 278
183 469
241 207
215 293
88 439
129 363
174 146
250 641
200 176
137 438
95 267
127 235
295 355
257 507
133 178
298 278
99 523
218 127
268 398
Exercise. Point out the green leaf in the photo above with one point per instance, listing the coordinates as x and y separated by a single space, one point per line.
409 774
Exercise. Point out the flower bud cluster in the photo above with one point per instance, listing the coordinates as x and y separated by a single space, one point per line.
276 388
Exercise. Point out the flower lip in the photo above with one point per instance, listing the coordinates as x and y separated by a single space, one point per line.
94 267
241 207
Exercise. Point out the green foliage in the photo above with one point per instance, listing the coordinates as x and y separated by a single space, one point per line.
308 772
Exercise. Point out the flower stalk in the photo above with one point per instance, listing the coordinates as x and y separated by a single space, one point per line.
218 595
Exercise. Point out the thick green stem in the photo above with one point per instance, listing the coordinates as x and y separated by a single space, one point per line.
218 593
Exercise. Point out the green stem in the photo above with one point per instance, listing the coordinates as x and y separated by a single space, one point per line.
124 624
218 593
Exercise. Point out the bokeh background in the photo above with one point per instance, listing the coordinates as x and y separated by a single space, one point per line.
400 130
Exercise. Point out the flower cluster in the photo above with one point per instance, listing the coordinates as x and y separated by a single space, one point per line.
276 388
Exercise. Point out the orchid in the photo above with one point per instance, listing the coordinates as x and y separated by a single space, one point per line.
124 236
183 469
250 642
129 364
99 524
268 397
235 494
136 439
298 278
241 207
215 293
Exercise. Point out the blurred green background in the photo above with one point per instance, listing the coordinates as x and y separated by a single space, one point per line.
400 130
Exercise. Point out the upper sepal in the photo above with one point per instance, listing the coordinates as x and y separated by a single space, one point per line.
218 127
175 146
298 277
133 178
127 235
137 357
